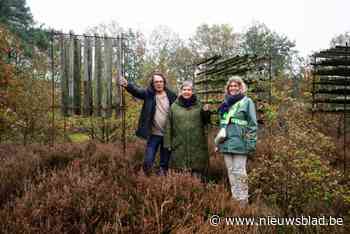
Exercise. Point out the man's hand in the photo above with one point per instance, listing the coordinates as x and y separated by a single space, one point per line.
123 82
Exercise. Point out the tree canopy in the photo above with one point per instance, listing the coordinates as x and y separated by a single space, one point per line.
261 41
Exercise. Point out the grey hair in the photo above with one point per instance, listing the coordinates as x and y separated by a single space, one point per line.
187 83
243 87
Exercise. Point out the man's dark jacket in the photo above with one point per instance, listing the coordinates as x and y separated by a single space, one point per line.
148 108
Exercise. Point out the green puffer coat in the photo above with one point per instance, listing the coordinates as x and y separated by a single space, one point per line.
185 136
241 139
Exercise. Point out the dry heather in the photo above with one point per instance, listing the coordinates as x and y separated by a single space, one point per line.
93 188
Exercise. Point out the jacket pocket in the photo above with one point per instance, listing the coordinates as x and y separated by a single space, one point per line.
236 144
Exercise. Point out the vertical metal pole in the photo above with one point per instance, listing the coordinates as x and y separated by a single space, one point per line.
345 99
344 118
53 89
313 89
207 126
123 95
93 107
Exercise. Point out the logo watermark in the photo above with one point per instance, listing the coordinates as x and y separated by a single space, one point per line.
216 220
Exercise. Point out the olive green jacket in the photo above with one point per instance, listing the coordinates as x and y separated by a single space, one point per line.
186 137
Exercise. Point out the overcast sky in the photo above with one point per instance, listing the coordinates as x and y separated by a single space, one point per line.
310 23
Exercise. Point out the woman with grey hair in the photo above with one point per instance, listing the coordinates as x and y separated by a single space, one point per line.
237 137
185 132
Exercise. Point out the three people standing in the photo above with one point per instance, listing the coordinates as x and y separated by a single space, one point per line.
177 125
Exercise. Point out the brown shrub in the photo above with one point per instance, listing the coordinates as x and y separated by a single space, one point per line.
21 165
100 193
104 191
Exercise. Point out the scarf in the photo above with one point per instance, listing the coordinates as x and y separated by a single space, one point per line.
229 101
187 102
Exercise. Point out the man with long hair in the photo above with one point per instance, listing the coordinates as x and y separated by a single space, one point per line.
157 99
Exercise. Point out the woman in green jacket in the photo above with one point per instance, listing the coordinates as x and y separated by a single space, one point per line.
237 137
185 132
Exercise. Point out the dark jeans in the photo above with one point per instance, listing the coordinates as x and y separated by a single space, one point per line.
153 143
